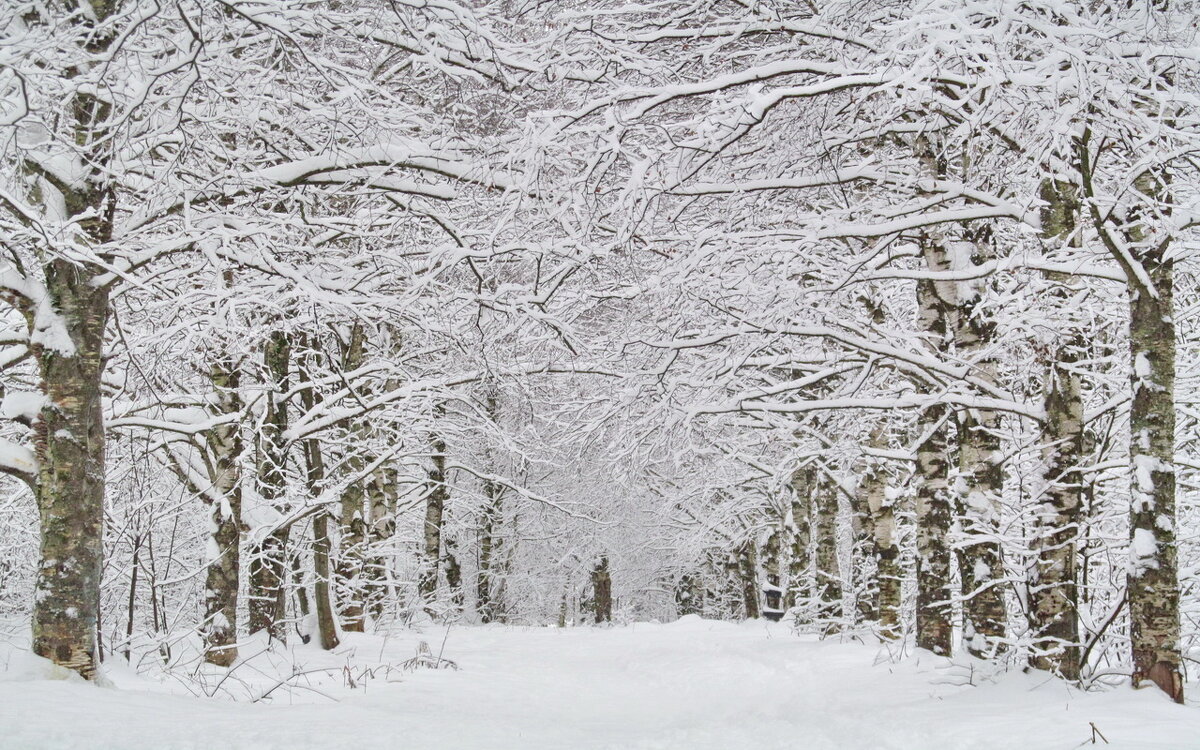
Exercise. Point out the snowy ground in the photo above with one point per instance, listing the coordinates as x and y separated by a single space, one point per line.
693 684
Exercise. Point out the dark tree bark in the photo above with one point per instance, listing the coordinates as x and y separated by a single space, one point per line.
300 591
689 599
745 566
602 591
485 595
322 543
133 583
323 598
453 569
351 565
437 494
489 543
268 560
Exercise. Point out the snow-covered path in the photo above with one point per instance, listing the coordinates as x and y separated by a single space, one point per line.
693 684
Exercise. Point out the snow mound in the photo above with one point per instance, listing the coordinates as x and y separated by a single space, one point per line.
23 666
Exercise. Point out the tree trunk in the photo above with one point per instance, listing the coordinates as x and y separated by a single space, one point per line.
864 556
934 458
453 573
485 603
980 483
219 629
934 627
326 625
352 523
322 544
1153 580
68 433
746 568
382 493
829 577
884 542
69 446
798 591
689 599
889 574
602 591
485 594
303 609
352 549
1054 592
435 508
133 582
268 561
772 564
1153 572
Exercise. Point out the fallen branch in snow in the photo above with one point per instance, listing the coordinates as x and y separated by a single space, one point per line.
1095 733
297 673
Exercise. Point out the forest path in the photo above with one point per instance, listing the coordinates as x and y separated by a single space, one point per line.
689 685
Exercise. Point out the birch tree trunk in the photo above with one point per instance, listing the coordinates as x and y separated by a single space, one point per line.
69 446
453 571
798 590
772 565
887 557
980 483
382 494
69 429
863 553
934 456
934 627
1154 571
884 541
1054 591
352 549
1143 252
219 629
829 577
352 521
435 509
